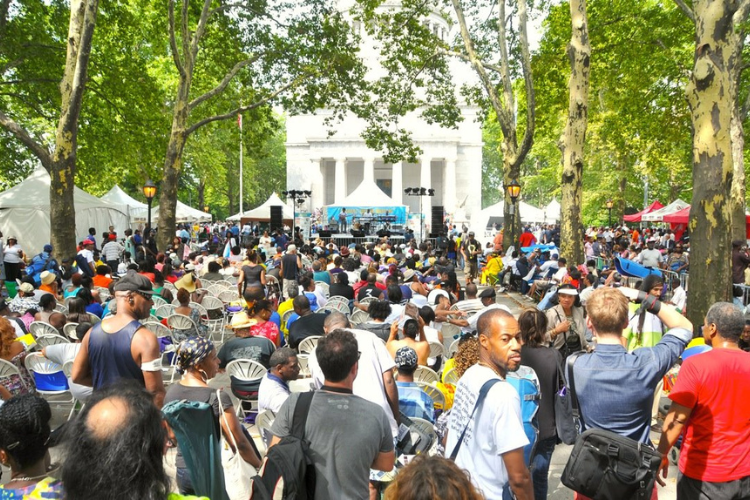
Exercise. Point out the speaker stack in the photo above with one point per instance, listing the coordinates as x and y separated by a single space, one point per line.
436 223
277 219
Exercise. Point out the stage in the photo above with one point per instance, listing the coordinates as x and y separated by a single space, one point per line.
344 239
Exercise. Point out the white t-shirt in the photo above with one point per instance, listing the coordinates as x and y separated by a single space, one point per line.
271 394
650 258
679 297
374 360
498 420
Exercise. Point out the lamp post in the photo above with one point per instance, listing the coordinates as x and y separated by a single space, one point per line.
421 192
149 191
610 204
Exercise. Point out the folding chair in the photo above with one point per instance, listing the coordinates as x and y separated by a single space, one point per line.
45 340
308 344
246 371
424 374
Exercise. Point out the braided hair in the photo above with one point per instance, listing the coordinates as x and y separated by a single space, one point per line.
25 429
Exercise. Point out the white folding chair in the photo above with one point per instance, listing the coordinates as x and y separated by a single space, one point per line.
170 286
158 301
453 349
304 369
367 300
246 370
263 422
61 309
216 315
325 288
438 398
451 377
47 339
229 296
68 371
308 344
39 328
48 376
358 317
8 369
69 329
425 374
427 428
181 326
164 311
162 331
103 293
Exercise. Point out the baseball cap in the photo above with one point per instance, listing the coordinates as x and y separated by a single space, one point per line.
487 292
189 267
47 248
87 242
406 357
134 282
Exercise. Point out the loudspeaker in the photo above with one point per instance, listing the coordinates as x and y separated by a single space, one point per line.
357 234
437 219
277 219
324 234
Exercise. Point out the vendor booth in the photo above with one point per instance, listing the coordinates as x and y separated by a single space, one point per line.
367 209
184 213
262 213
656 205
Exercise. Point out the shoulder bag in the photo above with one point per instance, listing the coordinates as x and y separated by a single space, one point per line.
606 466
237 472
482 394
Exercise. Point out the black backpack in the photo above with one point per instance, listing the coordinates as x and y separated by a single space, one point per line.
287 471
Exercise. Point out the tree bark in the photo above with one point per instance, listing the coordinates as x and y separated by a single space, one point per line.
574 137
737 197
709 93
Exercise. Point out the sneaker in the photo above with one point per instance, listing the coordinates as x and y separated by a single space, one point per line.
501 289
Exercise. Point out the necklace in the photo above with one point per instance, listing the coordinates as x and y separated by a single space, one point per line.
27 478
482 363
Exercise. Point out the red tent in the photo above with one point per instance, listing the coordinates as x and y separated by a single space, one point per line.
678 221
637 217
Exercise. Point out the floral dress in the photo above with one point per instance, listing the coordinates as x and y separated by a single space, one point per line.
267 329
47 488
19 385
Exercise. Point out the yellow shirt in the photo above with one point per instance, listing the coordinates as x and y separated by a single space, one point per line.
284 307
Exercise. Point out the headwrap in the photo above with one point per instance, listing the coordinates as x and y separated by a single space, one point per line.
192 351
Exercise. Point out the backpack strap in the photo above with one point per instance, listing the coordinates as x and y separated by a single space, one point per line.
301 410
482 394
571 382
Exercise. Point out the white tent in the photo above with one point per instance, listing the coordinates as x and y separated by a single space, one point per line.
24 212
138 211
529 213
553 211
263 212
184 213
658 215
367 194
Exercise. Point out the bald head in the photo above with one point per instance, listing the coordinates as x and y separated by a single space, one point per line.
334 321
107 417
471 291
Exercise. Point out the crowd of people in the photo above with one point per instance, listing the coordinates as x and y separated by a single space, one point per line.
379 313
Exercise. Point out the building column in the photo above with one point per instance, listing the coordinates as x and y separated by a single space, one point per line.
317 188
369 170
425 181
449 183
397 183
340 191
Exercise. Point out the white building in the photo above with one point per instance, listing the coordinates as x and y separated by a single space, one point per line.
333 167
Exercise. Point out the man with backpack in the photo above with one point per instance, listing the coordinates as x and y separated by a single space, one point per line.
485 430
347 435
42 262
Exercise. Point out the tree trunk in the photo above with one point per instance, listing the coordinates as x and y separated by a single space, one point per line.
168 195
737 198
709 94
574 138
201 194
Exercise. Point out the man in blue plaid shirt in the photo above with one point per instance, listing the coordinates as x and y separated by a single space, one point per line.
412 400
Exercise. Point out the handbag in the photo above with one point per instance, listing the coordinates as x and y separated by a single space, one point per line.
606 466
237 472
565 422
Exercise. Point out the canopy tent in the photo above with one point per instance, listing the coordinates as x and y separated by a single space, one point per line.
25 208
553 211
656 205
683 216
658 215
529 213
367 196
138 211
263 212
185 213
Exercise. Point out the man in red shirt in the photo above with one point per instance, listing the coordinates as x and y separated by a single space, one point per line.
711 402
527 238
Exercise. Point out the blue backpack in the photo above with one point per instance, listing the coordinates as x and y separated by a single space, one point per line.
526 384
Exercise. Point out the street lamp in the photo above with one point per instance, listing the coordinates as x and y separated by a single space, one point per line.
420 191
149 191
514 191
610 204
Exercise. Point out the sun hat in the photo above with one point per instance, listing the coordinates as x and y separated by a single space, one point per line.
409 274
26 288
47 277
242 320
567 289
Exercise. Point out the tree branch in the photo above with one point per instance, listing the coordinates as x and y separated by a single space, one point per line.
32 105
740 15
185 36
224 82
200 29
528 135
685 9
242 109
464 57
173 41
23 135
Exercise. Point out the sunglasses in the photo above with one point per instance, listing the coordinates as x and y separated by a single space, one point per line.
146 296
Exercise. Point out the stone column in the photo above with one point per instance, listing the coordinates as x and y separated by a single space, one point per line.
317 188
397 185
449 183
340 191
369 170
